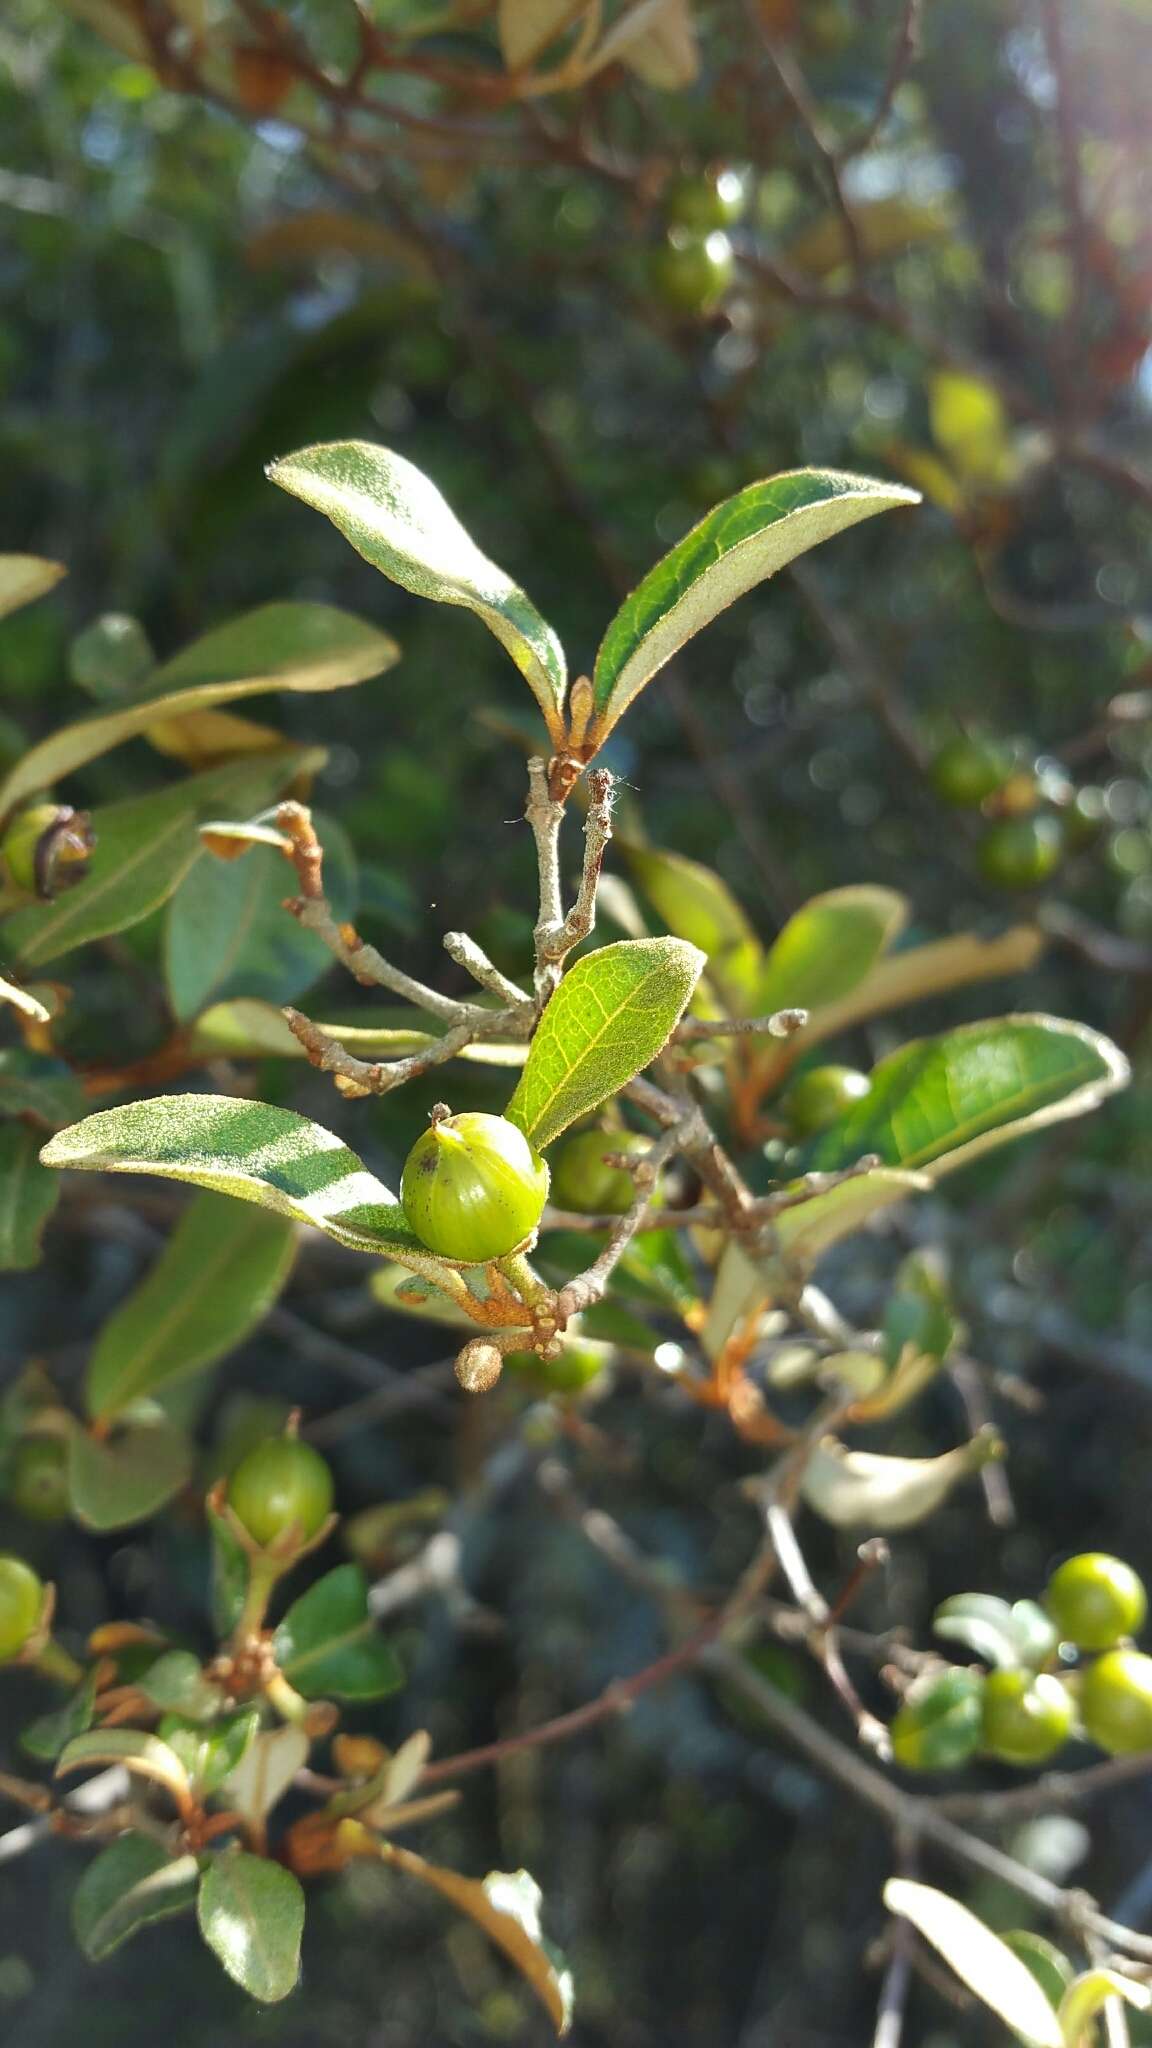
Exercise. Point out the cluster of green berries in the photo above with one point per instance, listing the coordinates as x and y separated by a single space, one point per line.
693 265
1030 827
1022 1716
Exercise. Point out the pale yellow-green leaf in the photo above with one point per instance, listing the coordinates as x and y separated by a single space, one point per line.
918 972
145 1755
980 1959
829 945
1087 1995
665 55
859 1490
527 26
24 578
246 1027
506 1905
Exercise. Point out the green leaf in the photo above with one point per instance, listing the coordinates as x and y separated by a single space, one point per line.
210 1753
129 1475
328 1645
829 946
28 1195
980 1959
1003 1634
807 1231
251 1914
1048 1964
396 518
266 1770
176 1683
34 1084
24 578
506 1905
916 972
252 1150
143 848
697 905
228 933
215 1280
131 1883
50 1733
277 647
144 1755
229 1573
943 1101
740 543
1088 1994
611 1015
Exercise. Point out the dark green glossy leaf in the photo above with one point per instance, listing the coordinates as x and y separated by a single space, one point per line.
132 1883
28 1195
229 935
328 1645
215 1280
129 1475
142 1754
210 1751
940 1102
51 1733
611 1015
251 1150
396 518
176 1682
740 543
251 1914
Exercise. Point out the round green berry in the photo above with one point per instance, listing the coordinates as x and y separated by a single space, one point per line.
1021 852
473 1188
691 273
580 1362
822 1096
38 1478
709 199
968 769
939 1723
1096 1600
581 1179
281 1485
21 1605
1116 1701
1027 1718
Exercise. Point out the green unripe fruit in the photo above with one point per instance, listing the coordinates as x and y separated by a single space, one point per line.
582 1181
822 1096
47 848
1116 1701
21 1605
1083 817
1026 1718
1020 853
691 273
712 199
939 1724
580 1362
283 1484
1096 1600
967 770
38 1479
473 1188
111 657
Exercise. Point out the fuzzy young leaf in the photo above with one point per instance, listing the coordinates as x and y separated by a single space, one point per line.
251 1914
396 518
740 543
277 647
940 1102
980 1959
132 1883
28 1195
252 1150
216 1278
507 1907
328 1645
143 848
24 578
128 1476
228 934
611 1015
829 946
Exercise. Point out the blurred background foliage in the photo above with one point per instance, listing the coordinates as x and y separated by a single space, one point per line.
225 232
